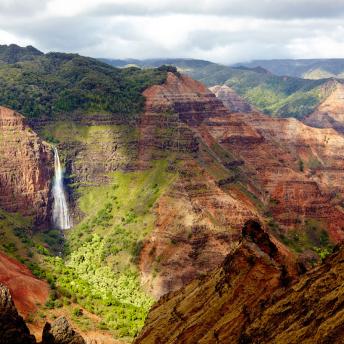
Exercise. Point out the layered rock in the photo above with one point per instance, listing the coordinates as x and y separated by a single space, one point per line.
231 100
309 312
26 168
252 298
299 167
217 307
330 113
197 221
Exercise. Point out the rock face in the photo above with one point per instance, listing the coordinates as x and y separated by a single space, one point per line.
27 291
252 299
232 167
216 307
60 332
197 221
13 329
330 113
300 168
231 100
26 168
309 312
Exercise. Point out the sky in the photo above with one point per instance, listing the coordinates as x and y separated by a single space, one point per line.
224 31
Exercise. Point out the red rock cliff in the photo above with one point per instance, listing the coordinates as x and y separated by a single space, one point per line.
25 168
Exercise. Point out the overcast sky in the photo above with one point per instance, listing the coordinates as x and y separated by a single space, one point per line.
225 31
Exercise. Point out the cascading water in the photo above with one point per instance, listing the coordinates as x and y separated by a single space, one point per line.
61 217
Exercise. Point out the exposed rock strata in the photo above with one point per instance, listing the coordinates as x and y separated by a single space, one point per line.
216 308
330 113
231 100
198 222
252 299
26 168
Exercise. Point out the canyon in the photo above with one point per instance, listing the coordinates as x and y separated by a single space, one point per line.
159 198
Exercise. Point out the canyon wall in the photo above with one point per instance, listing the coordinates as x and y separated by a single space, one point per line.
252 298
26 169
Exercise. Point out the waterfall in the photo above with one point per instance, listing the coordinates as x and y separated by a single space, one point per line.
61 217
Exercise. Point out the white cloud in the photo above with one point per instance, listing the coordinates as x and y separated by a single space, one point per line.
226 31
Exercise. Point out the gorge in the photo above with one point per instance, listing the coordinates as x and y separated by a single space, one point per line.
175 194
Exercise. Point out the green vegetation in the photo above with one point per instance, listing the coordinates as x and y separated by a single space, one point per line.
282 96
309 236
13 53
98 271
56 84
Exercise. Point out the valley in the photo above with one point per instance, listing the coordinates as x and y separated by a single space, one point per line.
161 175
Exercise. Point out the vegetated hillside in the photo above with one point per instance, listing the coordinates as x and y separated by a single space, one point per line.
55 84
251 298
281 96
13 53
302 68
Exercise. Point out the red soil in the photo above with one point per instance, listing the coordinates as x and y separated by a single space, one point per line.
27 291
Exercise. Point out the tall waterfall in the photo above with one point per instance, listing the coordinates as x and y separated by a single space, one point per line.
61 217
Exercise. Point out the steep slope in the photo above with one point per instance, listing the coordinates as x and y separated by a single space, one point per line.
217 307
311 311
206 219
248 300
229 98
13 329
25 168
330 113
27 291
298 167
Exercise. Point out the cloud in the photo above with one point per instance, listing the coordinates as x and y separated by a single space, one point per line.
284 9
220 30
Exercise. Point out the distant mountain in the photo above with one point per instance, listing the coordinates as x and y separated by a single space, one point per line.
302 68
282 96
13 53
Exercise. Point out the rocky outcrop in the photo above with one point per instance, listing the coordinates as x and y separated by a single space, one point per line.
330 113
231 100
252 298
25 168
13 329
60 332
217 307
309 312
27 291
